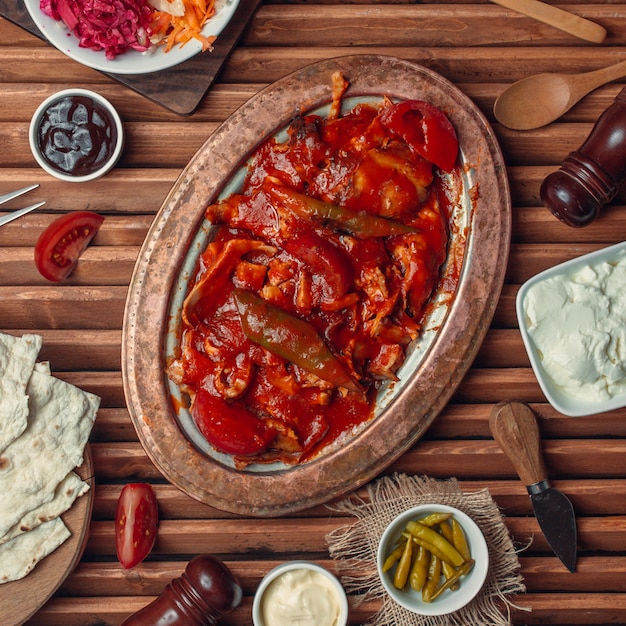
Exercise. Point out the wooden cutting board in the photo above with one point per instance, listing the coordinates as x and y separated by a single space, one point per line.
181 88
21 599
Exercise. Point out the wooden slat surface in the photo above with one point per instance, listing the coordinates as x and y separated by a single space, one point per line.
479 46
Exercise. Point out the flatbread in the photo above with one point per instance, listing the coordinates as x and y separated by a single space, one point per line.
19 556
17 359
70 488
45 424
61 419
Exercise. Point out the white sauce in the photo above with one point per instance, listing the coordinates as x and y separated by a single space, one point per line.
578 325
300 597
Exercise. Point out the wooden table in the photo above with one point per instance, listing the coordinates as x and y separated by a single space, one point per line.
479 46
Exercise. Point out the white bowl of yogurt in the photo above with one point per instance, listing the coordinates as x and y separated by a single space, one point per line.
300 592
572 318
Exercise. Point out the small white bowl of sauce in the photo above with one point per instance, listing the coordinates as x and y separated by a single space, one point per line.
76 135
300 592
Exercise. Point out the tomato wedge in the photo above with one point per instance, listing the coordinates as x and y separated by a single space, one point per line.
426 129
59 247
230 428
136 521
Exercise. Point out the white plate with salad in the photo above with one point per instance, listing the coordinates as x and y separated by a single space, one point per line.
150 35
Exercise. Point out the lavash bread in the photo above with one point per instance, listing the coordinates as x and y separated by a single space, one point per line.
72 487
17 359
37 481
19 556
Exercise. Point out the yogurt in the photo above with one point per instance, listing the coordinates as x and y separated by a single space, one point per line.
577 323
300 597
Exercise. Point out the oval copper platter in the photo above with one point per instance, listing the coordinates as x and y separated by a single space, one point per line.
434 367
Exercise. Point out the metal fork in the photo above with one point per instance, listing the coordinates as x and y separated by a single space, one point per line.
9 217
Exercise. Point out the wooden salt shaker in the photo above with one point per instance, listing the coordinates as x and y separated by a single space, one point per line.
204 593
590 177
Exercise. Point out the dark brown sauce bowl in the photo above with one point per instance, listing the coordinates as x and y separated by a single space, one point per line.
76 135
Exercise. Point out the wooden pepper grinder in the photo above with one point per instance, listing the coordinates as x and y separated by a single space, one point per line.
591 176
203 594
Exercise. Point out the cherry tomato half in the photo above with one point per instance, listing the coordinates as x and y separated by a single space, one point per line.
136 521
426 130
59 247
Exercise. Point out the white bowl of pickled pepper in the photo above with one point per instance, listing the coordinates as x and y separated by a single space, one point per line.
433 559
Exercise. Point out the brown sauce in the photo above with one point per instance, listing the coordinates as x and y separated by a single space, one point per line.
77 135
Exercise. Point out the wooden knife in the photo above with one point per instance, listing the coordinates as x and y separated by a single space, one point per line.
559 18
514 426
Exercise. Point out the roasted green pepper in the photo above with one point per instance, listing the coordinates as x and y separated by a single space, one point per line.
291 338
359 223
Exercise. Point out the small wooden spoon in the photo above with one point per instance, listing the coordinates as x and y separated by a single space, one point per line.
538 100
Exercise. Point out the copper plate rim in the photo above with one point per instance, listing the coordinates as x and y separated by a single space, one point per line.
421 399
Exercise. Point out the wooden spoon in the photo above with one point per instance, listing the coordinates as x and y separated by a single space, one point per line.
559 18
538 100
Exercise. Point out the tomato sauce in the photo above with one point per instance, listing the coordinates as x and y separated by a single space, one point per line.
318 279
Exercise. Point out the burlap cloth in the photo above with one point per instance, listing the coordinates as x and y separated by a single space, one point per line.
354 548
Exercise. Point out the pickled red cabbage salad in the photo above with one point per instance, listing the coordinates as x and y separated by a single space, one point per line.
116 26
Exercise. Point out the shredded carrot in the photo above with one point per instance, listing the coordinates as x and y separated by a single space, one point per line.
177 31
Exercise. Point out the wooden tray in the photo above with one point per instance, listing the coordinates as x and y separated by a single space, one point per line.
21 599
181 88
